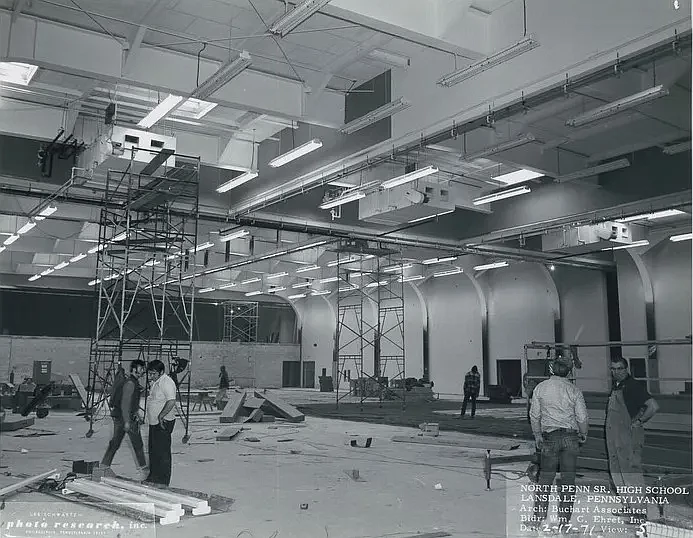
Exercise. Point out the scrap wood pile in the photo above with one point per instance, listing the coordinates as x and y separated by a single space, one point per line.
253 406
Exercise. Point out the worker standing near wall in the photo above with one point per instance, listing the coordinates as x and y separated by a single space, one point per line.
223 385
560 424
630 407
161 417
125 410
472 385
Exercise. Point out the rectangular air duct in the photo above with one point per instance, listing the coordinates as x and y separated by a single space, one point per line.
404 204
588 238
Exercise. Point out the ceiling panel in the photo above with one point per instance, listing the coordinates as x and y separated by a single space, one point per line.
208 30
207 9
173 20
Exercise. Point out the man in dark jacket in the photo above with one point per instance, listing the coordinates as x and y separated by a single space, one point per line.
126 419
472 385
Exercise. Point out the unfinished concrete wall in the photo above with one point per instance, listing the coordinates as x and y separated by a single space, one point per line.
250 365
318 331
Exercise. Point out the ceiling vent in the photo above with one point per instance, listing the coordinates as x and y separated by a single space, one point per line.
589 238
405 204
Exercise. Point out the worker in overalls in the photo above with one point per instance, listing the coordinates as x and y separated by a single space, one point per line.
630 407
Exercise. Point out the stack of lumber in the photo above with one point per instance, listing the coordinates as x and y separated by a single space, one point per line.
168 507
252 406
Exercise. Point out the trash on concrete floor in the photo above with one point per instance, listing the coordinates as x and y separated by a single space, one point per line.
252 406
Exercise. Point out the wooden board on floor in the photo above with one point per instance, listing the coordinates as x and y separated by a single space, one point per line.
283 409
15 422
228 434
233 407
77 382
461 443
253 402
255 416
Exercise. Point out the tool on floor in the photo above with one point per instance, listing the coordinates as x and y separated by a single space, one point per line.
28 481
359 443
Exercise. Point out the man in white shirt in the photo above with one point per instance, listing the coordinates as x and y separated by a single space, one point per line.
560 424
161 417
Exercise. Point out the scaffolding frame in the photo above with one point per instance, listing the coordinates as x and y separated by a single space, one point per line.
147 244
247 314
355 336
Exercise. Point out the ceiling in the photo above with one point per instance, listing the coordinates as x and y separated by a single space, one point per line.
331 56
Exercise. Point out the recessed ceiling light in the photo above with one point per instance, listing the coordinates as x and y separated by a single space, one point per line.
195 109
17 73
518 176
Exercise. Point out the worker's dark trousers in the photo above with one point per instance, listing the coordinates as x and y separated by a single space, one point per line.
560 447
118 434
160 453
467 397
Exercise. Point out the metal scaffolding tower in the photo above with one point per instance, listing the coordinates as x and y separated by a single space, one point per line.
370 281
240 322
145 299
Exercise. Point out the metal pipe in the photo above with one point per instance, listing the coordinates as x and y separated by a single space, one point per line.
669 342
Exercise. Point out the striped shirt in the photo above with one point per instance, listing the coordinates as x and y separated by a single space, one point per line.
557 403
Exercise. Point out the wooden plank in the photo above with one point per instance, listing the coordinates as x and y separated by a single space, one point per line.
14 423
233 407
462 443
228 434
79 386
255 416
253 402
283 409
199 506
512 459
26 482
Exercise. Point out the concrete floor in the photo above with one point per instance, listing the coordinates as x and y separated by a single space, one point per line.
397 494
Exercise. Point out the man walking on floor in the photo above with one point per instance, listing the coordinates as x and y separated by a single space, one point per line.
161 417
125 407
630 407
560 424
472 385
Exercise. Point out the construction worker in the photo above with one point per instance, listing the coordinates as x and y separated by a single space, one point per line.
125 410
472 385
161 417
224 385
559 422
630 407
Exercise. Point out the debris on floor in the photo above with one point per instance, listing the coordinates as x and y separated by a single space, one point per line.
8 490
467 442
252 406
228 434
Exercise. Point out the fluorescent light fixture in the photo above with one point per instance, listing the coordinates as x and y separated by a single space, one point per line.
496 265
296 153
48 271
431 261
253 293
34 278
94 282
517 191
96 249
615 107
455 271
395 268
195 109
594 170
160 111
376 284
228 71
682 237
297 296
518 176
350 259
321 292
120 237
412 278
27 227
277 275
11 239
641 243
302 285
307 269
61 265
3 249
251 281
329 279
227 286
206 290
291 19
355 274
499 148
677 148
349 288
46 212
237 181
152 263
389 58
421 219
526 44
652 216
78 258
376 115
17 73
236 234
411 176
276 290
344 184
306 247
341 200
204 246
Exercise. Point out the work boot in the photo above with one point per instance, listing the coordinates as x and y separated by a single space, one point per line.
108 472
143 473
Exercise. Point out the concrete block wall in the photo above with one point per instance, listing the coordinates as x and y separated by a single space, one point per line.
250 365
